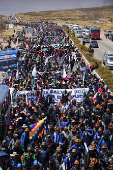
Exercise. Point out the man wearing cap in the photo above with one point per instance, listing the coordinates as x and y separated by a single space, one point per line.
50 146
36 165
43 155
79 149
87 135
64 122
66 132
92 120
17 147
13 140
56 136
76 165
56 162
99 135
97 165
106 117
91 166
90 154
72 157
104 156
25 139
72 133
77 136
63 142
14 160
59 150
8 138
19 166
104 141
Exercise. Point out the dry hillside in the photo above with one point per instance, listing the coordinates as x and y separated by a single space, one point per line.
86 16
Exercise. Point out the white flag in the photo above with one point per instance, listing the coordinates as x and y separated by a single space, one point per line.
64 73
17 74
34 73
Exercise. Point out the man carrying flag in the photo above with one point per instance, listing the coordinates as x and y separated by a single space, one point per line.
37 129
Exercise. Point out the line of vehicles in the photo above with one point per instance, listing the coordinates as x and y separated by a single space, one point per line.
90 35
91 31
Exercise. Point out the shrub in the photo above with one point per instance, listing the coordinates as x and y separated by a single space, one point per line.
89 55
83 47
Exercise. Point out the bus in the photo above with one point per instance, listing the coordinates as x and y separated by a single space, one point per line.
94 33
9 60
5 101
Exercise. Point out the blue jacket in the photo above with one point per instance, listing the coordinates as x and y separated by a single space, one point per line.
63 124
22 139
87 136
79 149
97 137
104 142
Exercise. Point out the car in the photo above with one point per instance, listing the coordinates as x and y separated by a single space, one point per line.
79 34
111 36
83 33
86 40
86 33
94 44
108 59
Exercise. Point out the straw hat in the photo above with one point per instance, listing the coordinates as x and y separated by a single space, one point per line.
74 151
27 129
104 146
10 127
76 162
93 160
91 165
24 126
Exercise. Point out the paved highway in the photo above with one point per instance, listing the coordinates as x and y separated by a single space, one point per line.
104 46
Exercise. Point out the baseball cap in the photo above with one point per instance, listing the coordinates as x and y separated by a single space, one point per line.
19 165
35 162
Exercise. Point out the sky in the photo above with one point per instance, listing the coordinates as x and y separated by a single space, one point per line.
8 7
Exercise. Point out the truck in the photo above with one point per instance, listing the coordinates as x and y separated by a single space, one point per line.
94 33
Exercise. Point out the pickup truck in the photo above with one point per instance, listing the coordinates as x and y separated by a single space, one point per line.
107 32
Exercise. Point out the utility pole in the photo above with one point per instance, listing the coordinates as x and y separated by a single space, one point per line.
104 16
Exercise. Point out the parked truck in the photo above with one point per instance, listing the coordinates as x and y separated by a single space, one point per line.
94 33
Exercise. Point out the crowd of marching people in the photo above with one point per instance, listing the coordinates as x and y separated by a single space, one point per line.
68 134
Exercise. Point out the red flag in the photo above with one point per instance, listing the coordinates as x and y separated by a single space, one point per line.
40 80
47 83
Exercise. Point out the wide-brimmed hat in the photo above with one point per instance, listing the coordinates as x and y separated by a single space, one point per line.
24 126
93 160
27 129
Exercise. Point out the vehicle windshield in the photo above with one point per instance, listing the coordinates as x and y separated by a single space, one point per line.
79 32
95 31
110 58
7 62
93 42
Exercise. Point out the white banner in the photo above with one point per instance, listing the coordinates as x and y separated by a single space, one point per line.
77 93
57 93
31 95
